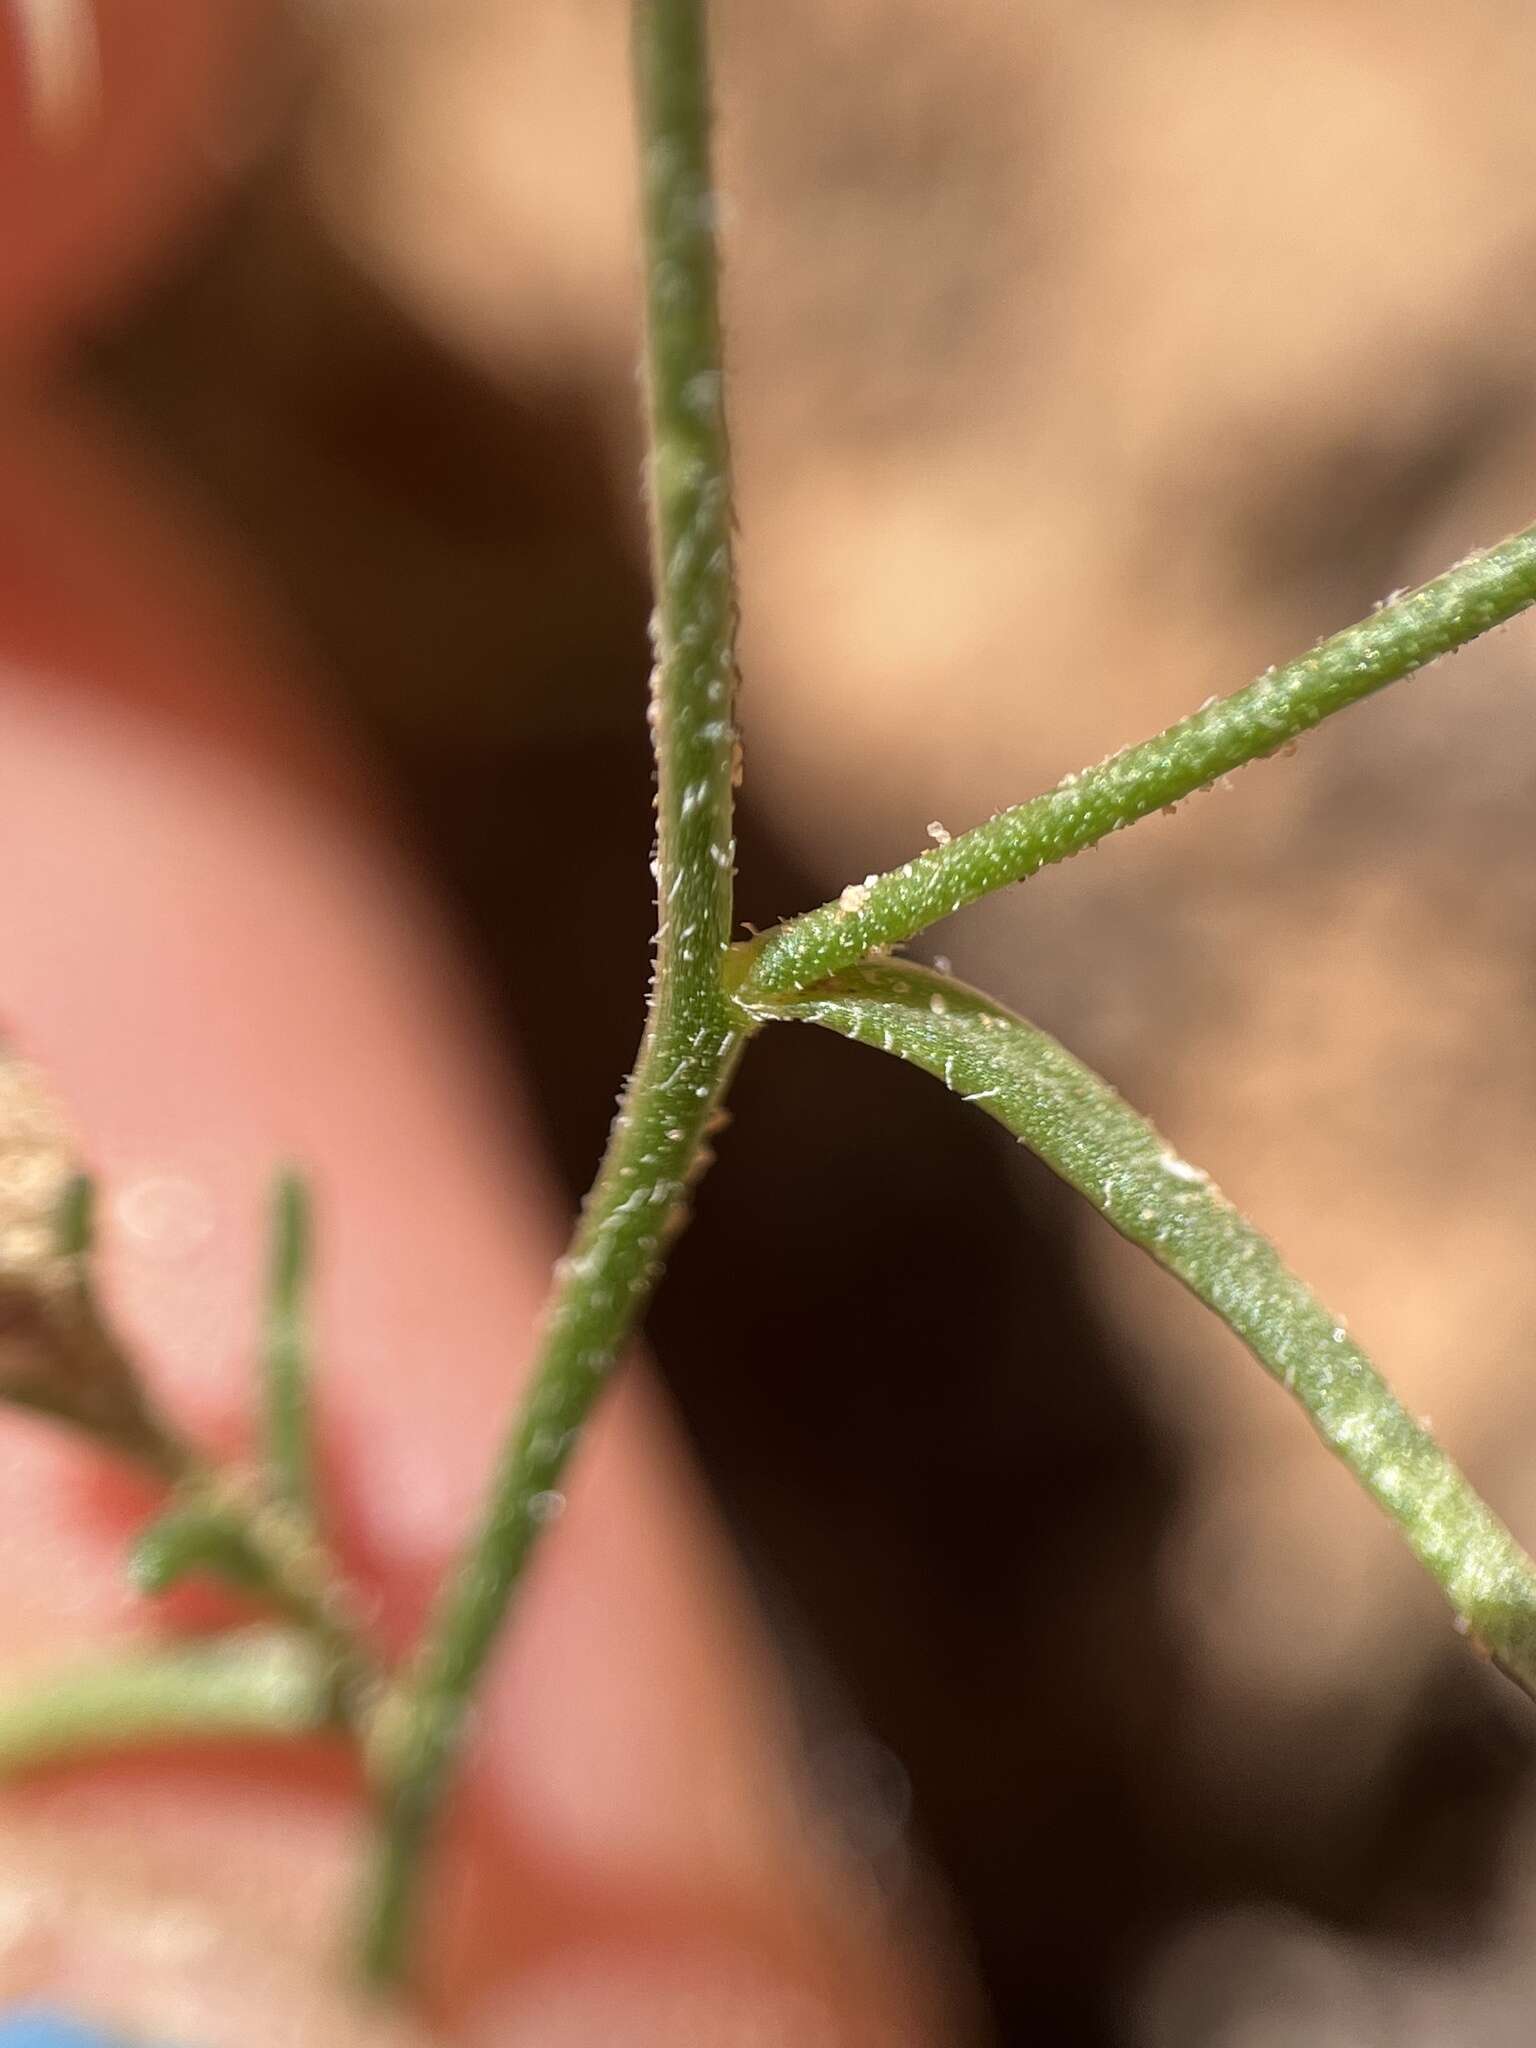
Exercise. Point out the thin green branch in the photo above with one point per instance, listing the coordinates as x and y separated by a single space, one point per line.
692 1033
62 1357
285 1349
1082 1129
187 1539
226 1522
257 1683
1479 593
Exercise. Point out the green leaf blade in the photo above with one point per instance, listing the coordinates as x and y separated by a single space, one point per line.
1471 598
1081 1128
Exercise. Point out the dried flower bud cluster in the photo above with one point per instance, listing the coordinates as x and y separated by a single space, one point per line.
57 1356
36 1165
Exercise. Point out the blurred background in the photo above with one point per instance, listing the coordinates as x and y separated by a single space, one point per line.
1085 358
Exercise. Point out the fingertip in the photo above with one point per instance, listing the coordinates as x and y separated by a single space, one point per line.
116 117
727 1999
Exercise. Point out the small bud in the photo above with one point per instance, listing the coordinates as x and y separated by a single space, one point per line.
57 1355
37 1167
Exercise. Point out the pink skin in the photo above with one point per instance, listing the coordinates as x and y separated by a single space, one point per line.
116 116
209 944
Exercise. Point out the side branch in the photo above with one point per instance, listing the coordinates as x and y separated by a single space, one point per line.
1479 593
266 1683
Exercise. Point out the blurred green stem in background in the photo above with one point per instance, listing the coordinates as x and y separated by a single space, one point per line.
285 1349
250 1683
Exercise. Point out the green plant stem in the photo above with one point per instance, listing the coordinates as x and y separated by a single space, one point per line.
227 1523
69 1363
259 1682
256 1533
1402 636
1083 1130
190 1538
692 1033
285 1349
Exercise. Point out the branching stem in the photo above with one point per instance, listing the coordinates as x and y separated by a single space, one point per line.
692 1032
66 1360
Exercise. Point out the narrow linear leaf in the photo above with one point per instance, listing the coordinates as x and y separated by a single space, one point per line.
285 1346
1471 598
261 1682
1086 1133
193 1539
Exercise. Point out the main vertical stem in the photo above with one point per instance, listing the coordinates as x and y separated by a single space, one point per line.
692 1032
